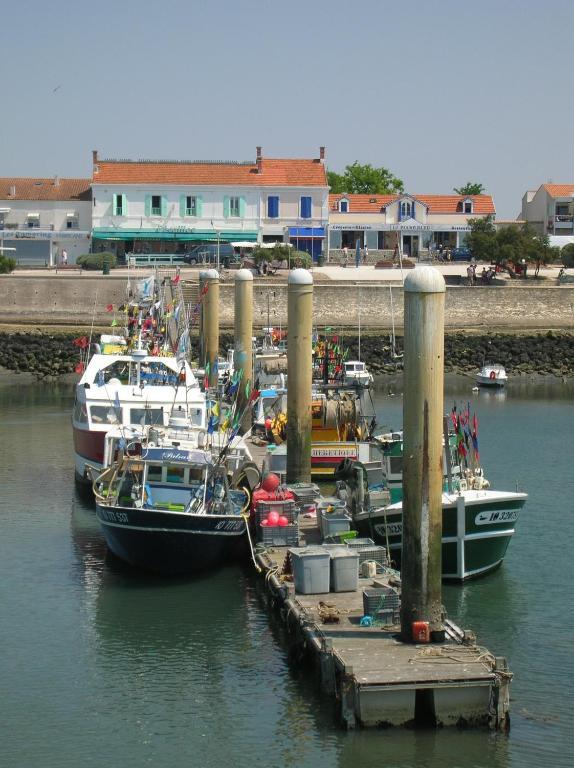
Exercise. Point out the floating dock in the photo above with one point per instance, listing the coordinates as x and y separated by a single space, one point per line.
376 679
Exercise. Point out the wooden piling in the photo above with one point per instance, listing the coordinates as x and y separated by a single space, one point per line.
243 346
210 327
424 295
299 375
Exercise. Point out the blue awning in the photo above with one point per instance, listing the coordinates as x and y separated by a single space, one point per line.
306 231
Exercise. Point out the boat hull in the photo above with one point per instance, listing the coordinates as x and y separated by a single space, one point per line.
486 381
477 529
171 543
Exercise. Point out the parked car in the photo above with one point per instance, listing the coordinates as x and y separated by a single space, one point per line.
207 254
461 254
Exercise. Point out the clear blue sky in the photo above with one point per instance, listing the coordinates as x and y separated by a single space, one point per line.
440 92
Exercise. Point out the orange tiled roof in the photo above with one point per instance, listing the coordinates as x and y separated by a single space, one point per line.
45 189
559 190
436 204
281 173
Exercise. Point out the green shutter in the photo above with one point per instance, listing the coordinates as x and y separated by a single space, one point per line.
242 207
226 207
114 204
163 205
198 206
182 207
124 205
147 210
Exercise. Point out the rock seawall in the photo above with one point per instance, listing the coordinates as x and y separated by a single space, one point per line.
550 353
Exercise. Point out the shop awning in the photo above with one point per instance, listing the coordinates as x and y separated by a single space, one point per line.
195 236
307 232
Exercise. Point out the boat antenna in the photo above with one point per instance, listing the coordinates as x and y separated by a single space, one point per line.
359 302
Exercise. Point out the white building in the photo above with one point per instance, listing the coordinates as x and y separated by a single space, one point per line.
550 209
415 222
148 206
40 218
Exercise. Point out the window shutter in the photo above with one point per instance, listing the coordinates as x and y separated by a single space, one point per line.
124 205
277 207
226 207
198 206
114 204
147 210
163 205
305 207
242 207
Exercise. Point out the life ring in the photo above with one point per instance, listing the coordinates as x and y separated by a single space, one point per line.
493 375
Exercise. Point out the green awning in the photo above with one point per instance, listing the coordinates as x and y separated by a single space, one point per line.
196 236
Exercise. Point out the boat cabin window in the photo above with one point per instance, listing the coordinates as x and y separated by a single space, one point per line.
196 416
119 369
145 416
396 465
157 374
154 473
104 414
80 413
175 474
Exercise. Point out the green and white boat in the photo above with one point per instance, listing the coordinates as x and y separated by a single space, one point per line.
477 522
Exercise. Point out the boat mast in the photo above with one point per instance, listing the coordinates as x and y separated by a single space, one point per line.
393 350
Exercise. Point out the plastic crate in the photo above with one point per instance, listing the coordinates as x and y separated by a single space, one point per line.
380 599
368 550
285 507
305 493
280 536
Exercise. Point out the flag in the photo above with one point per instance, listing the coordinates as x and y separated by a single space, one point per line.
114 322
247 388
82 342
176 312
215 409
176 279
110 308
205 289
211 426
79 367
254 395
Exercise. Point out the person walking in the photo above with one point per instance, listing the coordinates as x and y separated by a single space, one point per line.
365 255
345 256
64 258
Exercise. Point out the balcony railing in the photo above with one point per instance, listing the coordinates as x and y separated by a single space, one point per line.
564 217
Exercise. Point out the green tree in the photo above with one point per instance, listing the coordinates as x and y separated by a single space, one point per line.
365 180
567 255
7 264
482 239
470 188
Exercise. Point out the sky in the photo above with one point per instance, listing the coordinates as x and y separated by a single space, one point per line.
439 92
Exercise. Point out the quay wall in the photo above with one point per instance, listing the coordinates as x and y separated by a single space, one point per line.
73 300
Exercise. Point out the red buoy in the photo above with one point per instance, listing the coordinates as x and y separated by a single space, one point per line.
270 482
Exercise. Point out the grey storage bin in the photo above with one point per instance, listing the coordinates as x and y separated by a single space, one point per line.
311 572
333 524
344 570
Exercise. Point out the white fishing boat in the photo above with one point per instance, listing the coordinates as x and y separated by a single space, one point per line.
355 373
491 375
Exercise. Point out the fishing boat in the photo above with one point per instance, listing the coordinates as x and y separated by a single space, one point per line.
491 375
477 526
477 522
136 376
129 387
355 373
169 509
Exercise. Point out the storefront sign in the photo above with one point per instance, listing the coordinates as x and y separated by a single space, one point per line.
353 227
42 234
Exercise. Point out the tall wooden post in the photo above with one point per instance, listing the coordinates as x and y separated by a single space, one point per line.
299 375
243 347
201 299
211 323
424 295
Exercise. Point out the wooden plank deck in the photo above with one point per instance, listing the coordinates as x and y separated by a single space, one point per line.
375 676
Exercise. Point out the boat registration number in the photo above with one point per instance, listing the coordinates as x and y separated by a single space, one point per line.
229 525
390 529
502 516
113 517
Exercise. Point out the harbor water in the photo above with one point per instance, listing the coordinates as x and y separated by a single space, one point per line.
102 666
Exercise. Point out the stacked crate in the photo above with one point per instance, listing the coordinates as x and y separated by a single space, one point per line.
368 550
277 535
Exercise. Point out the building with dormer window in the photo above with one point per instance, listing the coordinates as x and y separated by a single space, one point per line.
167 207
416 223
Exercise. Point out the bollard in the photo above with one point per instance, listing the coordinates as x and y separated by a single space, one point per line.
243 347
210 325
424 296
299 375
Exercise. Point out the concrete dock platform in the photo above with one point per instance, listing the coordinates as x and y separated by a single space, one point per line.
375 678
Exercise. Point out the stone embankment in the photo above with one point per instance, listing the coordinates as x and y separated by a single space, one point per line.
48 356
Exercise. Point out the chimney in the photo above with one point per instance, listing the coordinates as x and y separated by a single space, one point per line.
12 190
259 160
322 154
94 156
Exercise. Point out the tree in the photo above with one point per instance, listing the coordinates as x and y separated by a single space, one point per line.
364 180
482 239
470 188
567 255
